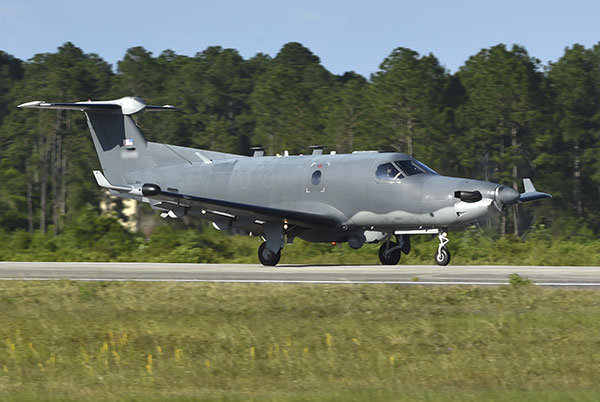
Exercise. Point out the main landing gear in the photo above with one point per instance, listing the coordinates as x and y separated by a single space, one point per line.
442 254
269 252
390 252
267 257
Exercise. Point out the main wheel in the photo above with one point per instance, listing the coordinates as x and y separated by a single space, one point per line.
442 258
267 257
391 257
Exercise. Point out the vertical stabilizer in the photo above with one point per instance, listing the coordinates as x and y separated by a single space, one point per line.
120 145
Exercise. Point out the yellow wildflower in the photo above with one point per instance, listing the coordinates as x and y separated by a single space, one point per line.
328 339
178 354
149 364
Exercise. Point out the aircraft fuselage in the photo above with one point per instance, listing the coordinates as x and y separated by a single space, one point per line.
347 189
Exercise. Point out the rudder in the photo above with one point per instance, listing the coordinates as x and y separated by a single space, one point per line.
120 145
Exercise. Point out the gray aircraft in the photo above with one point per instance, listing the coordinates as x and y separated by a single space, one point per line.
363 197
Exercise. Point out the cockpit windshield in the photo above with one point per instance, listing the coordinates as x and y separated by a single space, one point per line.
388 171
412 167
394 171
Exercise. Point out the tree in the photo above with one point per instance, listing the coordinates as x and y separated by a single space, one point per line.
502 111
48 148
344 114
408 102
287 100
575 79
11 71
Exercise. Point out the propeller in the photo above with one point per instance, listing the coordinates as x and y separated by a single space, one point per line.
516 215
505 196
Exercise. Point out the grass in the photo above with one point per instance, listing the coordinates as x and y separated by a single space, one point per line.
64 340
168 244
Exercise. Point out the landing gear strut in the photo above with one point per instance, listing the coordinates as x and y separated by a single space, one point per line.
442 254
390 252
269 252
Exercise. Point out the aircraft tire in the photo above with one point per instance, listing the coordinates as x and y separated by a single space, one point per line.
267 257
442 258
389 258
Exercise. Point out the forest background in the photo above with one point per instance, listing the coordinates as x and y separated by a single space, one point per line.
503 115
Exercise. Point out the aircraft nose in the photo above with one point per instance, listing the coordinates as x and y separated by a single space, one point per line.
506 196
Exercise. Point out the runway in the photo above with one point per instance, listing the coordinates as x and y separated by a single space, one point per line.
326 274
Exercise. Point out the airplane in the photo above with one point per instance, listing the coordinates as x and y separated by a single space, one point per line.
358 198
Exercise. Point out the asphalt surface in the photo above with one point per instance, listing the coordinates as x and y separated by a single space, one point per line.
251 273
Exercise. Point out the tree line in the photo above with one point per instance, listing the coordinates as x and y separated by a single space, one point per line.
503 115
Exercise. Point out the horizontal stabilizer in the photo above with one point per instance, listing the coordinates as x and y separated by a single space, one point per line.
102 182
127 105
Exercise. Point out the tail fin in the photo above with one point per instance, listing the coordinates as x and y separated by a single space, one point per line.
120 145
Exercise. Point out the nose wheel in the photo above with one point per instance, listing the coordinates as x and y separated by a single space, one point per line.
442 254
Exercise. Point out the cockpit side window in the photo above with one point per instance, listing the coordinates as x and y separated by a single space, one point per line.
388 172
412 167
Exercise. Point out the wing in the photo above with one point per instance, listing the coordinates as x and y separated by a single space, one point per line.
258 212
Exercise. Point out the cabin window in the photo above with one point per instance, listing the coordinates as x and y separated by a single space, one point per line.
316 177
388 172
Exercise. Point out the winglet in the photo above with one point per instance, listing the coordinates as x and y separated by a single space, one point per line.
102 182
531 194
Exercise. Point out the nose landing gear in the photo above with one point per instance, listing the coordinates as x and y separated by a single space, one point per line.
442 254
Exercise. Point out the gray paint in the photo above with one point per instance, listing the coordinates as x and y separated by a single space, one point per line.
271 196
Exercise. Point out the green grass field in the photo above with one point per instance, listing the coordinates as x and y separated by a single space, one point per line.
64 340
100 238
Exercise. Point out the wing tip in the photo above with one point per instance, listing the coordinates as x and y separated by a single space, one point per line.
31 104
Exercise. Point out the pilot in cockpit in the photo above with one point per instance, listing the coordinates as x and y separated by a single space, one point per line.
388 172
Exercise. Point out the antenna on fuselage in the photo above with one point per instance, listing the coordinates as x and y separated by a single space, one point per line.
317 149
258 151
